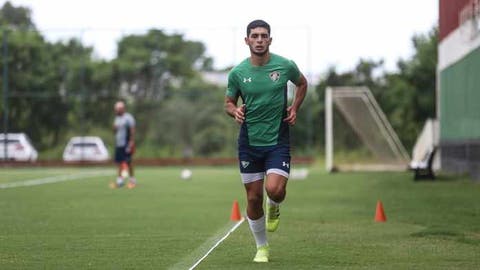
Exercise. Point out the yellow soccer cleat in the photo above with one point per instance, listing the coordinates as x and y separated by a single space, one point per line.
273 217
262 254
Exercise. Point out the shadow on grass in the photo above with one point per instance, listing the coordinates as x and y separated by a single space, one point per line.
466 238
442 177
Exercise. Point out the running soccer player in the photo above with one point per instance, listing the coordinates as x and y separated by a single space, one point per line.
263 143
124 128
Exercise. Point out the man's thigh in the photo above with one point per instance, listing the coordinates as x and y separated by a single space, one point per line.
251 163
277 161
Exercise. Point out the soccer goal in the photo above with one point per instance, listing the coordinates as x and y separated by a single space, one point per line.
358 135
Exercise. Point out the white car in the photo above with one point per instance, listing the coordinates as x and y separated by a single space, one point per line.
19 147
88 148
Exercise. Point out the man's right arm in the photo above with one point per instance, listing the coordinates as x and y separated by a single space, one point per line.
238 113
231 100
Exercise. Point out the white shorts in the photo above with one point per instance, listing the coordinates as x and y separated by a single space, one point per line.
252 177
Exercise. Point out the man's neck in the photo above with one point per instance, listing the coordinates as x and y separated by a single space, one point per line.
257 60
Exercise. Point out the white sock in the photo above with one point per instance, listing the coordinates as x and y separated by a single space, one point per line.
258 230
119 180
133 180
270 202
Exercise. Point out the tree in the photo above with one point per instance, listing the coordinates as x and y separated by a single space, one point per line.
149 64
45 79
364 74
409 95
19 17
158 74
33 83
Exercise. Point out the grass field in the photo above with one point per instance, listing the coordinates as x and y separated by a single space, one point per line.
168 223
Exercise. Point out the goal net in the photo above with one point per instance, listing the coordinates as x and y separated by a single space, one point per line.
358 134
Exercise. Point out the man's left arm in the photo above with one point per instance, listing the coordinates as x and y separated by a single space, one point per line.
300 92
131 141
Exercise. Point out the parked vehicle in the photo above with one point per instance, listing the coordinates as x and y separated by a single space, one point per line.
19 147
88 148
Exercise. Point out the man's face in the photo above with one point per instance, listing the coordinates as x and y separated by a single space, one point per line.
259 41
119 109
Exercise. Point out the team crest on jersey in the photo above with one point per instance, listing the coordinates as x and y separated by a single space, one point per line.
274 76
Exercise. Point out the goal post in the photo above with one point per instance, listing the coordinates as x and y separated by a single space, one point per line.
366 120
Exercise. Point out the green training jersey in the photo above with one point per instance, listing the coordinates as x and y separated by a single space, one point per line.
263 89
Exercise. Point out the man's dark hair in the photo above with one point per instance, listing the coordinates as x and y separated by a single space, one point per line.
257 23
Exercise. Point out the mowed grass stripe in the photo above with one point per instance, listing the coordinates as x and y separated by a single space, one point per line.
192 260
55 179
157 223
10 175
327 222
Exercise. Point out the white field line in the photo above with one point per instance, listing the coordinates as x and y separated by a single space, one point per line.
184 264
55 179
48 170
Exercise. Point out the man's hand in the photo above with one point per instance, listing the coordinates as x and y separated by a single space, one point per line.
300 92
130 147
291 116
239 114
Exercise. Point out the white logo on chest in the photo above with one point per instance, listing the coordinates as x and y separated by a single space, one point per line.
274 76
249 79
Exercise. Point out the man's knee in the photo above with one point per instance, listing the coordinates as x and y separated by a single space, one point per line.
255 199
276 192
277 195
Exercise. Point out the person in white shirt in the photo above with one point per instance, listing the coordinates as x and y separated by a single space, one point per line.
124 128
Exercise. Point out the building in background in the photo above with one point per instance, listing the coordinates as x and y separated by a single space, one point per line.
458 92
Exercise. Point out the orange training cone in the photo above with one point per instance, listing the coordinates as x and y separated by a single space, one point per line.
380 214
235 216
